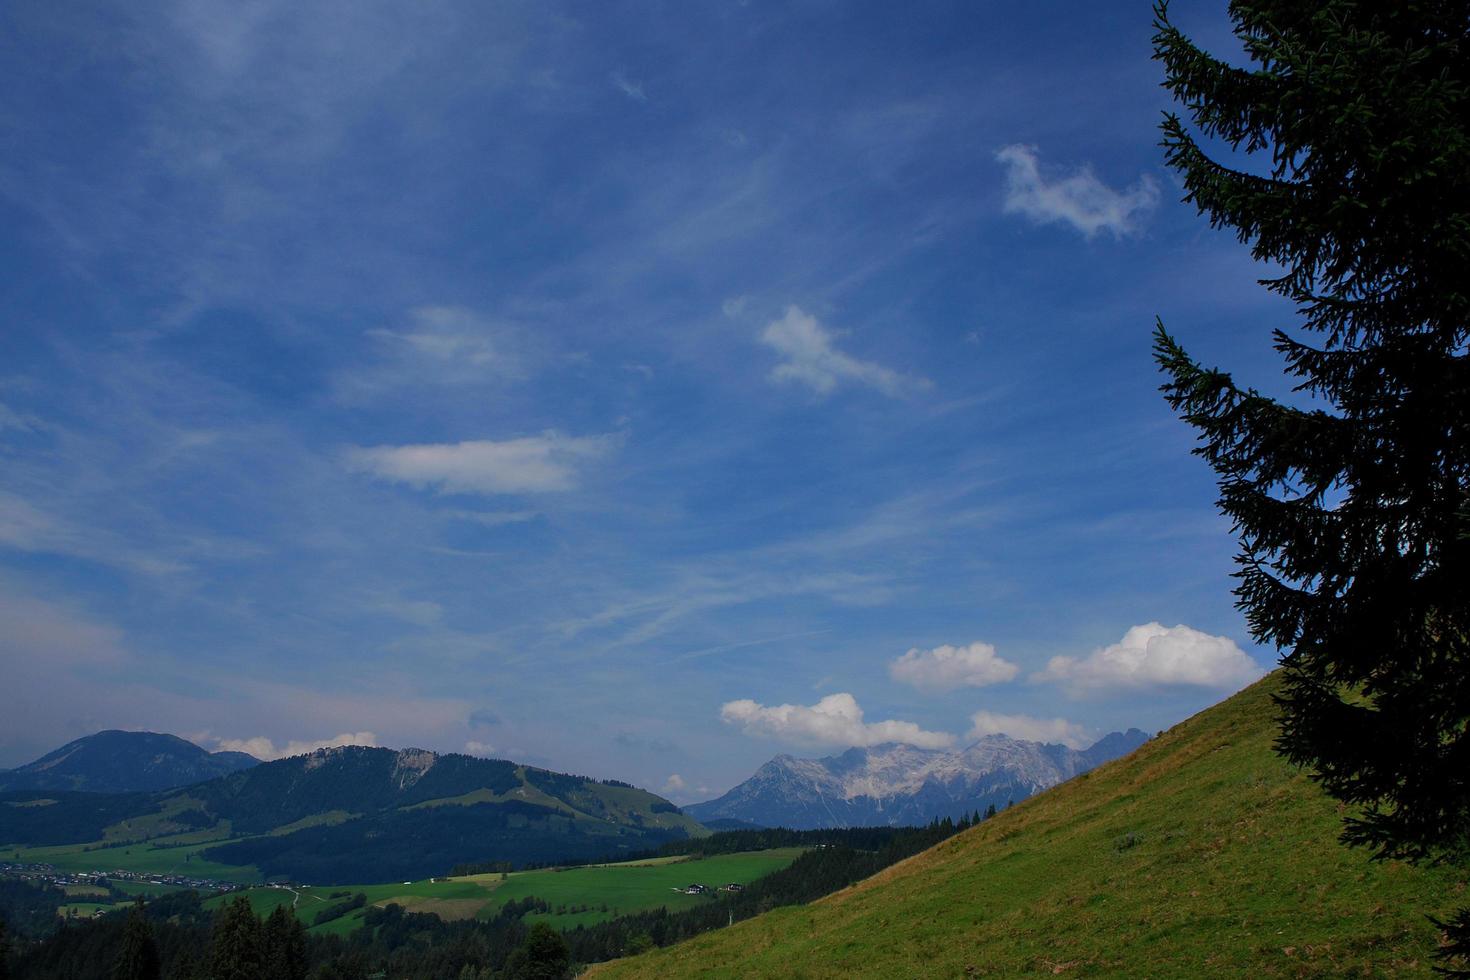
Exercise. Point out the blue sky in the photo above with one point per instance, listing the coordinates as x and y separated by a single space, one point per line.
631 389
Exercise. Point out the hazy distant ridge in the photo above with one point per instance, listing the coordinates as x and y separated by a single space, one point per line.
123 762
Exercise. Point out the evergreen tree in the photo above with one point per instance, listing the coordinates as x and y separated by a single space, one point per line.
186 966
235 951
284 945
352 966
4 952
543 955
138 958
1352 499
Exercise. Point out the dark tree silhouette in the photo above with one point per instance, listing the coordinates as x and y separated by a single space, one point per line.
544 955
138 958
1351 499
236 946
284 941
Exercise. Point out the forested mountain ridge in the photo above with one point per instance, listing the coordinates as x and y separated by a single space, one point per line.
356 813
123 762
897 785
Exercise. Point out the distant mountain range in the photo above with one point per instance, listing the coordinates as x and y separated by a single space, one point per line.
359 814
895 784
124 762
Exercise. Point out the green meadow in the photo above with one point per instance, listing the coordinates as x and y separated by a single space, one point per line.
577 896
151 857
85 910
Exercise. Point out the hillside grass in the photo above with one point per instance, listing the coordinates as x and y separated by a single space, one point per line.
1202 854
606 890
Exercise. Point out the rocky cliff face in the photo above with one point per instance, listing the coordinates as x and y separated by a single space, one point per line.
897 784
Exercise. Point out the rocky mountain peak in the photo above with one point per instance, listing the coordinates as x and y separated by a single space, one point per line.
409 766
895 784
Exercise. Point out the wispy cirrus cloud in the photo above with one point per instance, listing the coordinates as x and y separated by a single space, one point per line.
836 720
548 463
809 356
11 419
25 527
435 346
632 89
67 636
1079 199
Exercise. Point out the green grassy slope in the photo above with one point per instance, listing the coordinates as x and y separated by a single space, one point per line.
1202 854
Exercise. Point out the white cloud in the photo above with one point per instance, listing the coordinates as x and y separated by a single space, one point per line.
263 748
809 358
1152 655
1080 200
630 88
47 635
534 464
482 749
835 720
1029 729
10 419
674 784
438 346
419 612
445 334
497 518
24 527
946 668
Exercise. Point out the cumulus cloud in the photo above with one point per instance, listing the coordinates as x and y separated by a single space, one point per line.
1079 200
947 668
482 749
810 357
674 784
1153 655
835 720
1029 729
263 748
548 463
